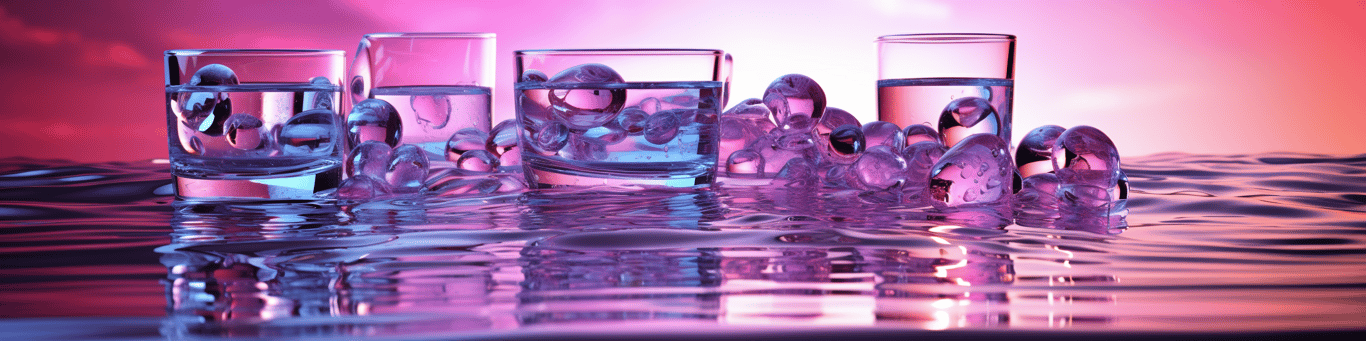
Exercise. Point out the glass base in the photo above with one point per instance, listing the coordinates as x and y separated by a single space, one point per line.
305 186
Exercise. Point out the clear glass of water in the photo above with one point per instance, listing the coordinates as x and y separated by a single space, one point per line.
624 118
254 124
957 83
438 83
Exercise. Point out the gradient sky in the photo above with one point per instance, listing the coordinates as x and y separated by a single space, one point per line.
83 80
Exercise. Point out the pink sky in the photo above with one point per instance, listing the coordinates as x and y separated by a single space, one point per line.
84 79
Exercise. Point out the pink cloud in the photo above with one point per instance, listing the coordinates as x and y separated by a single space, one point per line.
15 32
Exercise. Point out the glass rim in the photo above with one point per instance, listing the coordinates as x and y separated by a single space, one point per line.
594 52
947 38
254 52
429 35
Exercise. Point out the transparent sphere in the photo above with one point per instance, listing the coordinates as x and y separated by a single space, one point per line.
1035 153
965 117
976 171
374 120
1085 155
796 101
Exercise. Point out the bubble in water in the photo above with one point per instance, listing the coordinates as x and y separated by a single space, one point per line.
581 108
920 157
917 133
966 116
632 120
610 132
550 138
370 157
583 148
244 131
213 74
745 162
534 75
649 105
880 168
374 120
363 186
502 137
1035 153
310 133
796 101
846 143
833 119
661 127
884 134
432 111
206 111
477 161
319 99
1085 155
976 171
408 167
793 139
465 140
530 108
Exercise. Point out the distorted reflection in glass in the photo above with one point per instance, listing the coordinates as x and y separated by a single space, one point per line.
297 269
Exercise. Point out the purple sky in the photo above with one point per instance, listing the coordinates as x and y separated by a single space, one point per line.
84 79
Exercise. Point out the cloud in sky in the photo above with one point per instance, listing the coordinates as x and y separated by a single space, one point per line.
18 34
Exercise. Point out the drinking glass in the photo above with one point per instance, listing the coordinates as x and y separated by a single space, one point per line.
254 124
420 89
957 83
623 118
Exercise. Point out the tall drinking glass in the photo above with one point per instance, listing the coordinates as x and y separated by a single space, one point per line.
437 84
254 124
632 118
957 83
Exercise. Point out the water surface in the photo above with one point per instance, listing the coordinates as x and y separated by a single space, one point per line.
1266 243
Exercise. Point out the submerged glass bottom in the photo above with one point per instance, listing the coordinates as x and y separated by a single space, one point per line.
1269 244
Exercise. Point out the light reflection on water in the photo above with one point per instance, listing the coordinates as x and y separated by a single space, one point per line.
1225 243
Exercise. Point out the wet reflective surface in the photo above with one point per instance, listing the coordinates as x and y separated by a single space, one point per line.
1268 243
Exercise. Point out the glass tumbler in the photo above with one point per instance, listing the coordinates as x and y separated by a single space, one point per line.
956 83
254 124
644 118
420 89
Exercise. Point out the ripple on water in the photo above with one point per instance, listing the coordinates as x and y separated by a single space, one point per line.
1273 235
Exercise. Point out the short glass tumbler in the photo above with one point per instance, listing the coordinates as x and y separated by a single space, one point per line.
254 124
643 118
438 84
958 83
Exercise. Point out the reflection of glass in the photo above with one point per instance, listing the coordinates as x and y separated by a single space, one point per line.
762 277
620 117
291 269
254 123
557 209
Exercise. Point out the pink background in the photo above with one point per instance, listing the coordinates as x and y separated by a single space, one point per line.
83 80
